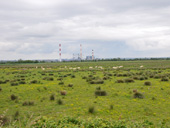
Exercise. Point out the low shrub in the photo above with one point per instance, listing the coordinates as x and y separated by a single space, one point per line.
28 103
16 115
0 88
52 97
165 79
70 85
157 76
98 88
91 109
100 93
33 81
84 77
96 82
138 95
120 81
14 84
63 92
13 97
129 80
135 78
22 82
60 78
73 76
111 106
48 78
141 78
59 102
4 120
61 83
147 83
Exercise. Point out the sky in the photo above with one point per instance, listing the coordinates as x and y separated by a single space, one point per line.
33 29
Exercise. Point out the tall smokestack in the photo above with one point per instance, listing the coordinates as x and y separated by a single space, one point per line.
60 51
81 56
92 54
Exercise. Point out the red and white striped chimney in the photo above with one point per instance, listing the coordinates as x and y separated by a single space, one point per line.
92 54
81 56
60 52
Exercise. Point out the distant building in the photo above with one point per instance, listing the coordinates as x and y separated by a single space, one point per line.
89 57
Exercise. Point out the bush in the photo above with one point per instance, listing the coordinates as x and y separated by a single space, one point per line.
135 78
98 88
84 77
13 97
120 81
28 103
61 83
157 76
96 82
129 80
3 120
0 88
100 93
63 92
141 78
73 76
48 78
60 78
33 82
147 83
16 115
91 109
14 84
59 102
70 85
111 106
22 82
52 97
165 79
138 95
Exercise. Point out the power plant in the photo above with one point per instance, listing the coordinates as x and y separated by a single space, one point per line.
78 56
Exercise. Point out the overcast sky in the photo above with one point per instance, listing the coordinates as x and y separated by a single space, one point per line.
33 29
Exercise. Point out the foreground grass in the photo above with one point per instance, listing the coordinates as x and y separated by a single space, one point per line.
70 93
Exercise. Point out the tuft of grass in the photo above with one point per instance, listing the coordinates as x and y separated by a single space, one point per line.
98 88
59 102
52 97
70 85
129 80
111 107
120 81
63 92
16 115
91 109
147 83
100 93
13 97
165 79
4 120
33 81
138 95
28 103
0 88
61 83
14 84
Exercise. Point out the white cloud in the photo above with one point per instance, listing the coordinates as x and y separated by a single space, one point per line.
37 27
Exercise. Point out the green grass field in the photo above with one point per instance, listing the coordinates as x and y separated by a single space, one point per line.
86 91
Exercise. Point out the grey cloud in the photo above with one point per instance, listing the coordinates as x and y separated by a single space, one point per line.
31 24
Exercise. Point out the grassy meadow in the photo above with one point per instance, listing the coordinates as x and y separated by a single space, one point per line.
86 94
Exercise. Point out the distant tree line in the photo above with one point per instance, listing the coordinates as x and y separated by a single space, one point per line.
20 61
